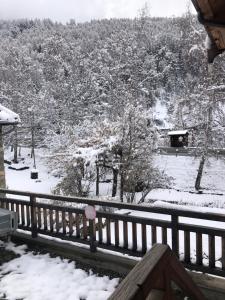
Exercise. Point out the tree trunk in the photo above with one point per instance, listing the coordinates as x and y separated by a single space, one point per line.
200 171
97 180
121 185
2 169
32 146
15 146
114 187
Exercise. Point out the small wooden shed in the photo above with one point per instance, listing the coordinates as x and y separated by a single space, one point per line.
178 138
7 117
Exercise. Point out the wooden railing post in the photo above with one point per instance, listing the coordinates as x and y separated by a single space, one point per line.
92 236
175 241
33 217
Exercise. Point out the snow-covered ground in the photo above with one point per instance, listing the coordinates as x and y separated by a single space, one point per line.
21 180
36 276
182 170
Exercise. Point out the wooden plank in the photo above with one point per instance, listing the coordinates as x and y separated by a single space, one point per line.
77 222
108 231
100 230
125 235
139 282
64 222
117 239
28 215
45 219
134 236
199 249
70 223
57 227
39 217
85 233
187 246
144 239
13 206
138 220
17 211
156 295
33 217
164 235
51 219
175 235
153 231
223 253
211 251
94 230
22 215
7 205
165 211
202 229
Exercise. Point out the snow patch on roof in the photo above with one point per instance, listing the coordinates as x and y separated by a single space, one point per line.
7 116
177 132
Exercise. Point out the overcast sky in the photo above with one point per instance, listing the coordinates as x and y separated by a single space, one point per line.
85 10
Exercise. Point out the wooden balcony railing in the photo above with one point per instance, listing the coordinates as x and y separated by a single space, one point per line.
197 238
155 277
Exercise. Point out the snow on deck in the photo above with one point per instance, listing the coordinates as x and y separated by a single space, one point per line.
37 276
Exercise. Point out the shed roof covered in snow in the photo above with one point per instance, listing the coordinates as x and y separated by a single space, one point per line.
211 15
178 132
8 117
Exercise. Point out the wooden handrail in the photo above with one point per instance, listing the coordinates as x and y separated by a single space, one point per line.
151 278
119 205
127 233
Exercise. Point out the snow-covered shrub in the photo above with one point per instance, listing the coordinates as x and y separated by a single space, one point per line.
77 180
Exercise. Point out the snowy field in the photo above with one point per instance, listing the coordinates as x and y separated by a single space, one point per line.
182 170
20 180
34 276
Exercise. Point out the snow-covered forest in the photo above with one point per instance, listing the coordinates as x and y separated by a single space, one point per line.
97 94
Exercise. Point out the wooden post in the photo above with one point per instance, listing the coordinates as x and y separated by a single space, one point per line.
33 217
175 241
92 237
2 169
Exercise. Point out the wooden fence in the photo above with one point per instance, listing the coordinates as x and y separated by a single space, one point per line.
199 247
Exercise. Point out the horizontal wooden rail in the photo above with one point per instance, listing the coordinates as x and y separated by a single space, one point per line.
199 247
119 205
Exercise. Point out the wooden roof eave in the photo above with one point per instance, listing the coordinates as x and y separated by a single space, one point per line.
211 15
4 123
